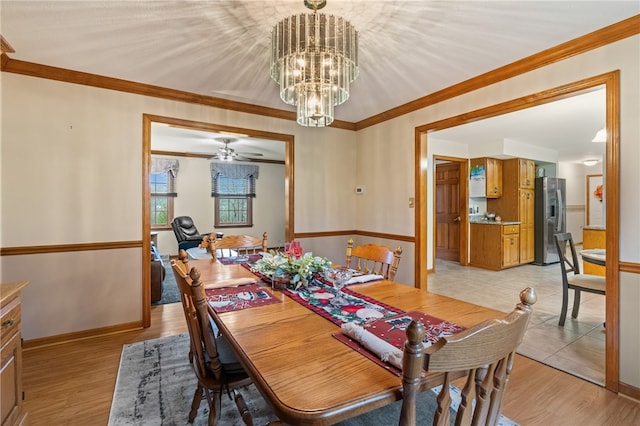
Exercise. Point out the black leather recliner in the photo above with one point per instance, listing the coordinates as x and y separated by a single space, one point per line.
186 233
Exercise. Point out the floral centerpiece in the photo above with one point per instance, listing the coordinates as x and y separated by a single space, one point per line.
300 269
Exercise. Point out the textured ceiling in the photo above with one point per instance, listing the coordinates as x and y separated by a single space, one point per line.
408 49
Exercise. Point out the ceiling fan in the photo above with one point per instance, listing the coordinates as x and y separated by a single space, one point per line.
229 154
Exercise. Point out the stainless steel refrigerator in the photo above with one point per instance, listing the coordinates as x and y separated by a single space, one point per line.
550 218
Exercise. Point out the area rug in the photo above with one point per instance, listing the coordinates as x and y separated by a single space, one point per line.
170 292
155 386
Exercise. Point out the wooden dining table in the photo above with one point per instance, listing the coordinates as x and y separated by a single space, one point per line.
596 256
307 375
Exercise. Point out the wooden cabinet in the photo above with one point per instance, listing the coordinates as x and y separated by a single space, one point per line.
494 246
510 246
526 173
526 210
517 203
11 410
489 172
494 178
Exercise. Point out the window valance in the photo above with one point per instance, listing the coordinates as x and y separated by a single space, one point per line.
163 165
234 171
233 180
164 185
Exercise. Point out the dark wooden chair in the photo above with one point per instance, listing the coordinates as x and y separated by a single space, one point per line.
484 352
577 282
240 244
212 358
373 259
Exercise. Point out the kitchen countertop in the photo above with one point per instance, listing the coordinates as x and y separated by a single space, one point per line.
493 222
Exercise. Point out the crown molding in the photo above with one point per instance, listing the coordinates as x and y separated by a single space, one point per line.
618 31
615 32
77 77
5 47
208 156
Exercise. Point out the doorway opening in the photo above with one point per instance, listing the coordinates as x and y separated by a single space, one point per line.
148 121
450 204
424 215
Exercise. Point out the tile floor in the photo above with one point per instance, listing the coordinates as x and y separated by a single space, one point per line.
577 348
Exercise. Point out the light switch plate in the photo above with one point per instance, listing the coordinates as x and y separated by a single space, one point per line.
412 202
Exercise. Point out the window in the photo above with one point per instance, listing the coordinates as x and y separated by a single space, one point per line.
233 205
161 203
162 181
233 188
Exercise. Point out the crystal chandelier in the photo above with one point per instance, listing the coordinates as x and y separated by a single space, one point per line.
314 57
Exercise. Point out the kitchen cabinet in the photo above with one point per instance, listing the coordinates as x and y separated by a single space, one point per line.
526 209
526 173
494 246
12 411
510 246
485 177
517 203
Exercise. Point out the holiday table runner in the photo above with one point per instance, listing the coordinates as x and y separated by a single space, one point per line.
241 297
340 307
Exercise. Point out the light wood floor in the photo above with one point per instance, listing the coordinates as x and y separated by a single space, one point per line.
72 384
578 347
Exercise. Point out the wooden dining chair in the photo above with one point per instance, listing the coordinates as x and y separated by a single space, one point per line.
577 282
481 356
373 259
485 352
183 257
241 244
215 365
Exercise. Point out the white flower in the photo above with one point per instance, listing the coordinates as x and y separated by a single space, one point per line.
300 270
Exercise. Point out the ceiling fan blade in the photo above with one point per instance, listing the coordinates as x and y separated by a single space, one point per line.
251 154
225 157
241 158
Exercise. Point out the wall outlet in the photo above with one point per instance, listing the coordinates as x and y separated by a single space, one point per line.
360 189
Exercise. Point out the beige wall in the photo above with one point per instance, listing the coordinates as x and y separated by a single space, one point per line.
72 173
629 330
389 146
72 166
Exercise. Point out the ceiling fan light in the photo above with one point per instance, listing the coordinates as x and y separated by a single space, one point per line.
601 136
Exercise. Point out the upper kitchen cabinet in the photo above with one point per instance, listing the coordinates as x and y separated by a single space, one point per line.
526 173
485 177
